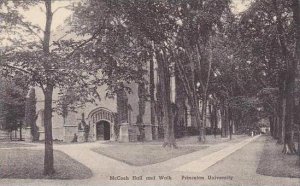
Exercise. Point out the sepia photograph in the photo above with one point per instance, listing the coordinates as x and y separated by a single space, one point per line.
150 92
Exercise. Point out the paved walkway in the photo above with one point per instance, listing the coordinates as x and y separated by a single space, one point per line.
236 161
211 159
239 168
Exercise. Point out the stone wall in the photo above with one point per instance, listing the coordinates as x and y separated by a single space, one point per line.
133 101
58 133
69 132
73 119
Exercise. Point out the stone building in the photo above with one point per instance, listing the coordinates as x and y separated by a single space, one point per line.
100 117
107 120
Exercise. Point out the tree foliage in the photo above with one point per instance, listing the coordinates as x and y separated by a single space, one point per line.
31 115
12 101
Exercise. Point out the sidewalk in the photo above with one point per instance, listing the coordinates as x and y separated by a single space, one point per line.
211 159
104 167
237 161
241 166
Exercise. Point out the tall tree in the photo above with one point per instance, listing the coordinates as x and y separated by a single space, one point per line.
48 66
272 24
142 43
296 18
31 115
12 101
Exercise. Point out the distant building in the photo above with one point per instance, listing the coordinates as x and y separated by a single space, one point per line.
264 125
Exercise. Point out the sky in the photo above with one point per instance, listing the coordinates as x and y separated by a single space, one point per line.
37 16
240 5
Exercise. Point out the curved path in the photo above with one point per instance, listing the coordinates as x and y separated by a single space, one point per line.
235 162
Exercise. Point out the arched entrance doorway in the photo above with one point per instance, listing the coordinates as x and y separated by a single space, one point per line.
102 122
102 130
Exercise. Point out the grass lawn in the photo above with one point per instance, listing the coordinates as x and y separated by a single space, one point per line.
25 164
56 142
13 144
140 155
188 140
274 163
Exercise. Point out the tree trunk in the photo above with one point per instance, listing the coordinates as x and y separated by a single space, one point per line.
223 121
21 124
122 106
201 137
142 106
48 92
281 108
271 121
180 103
159 110
213 119
188 79
227 121
48 160
289 146
205 96
296 17
275 127
230 129
299 142
282 125
152 99
168 111
204 110
289 81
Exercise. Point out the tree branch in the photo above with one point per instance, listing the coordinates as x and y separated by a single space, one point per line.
87 41
209 68
60 8
17 68
30 29
183 77
41 85
199 63
58 39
